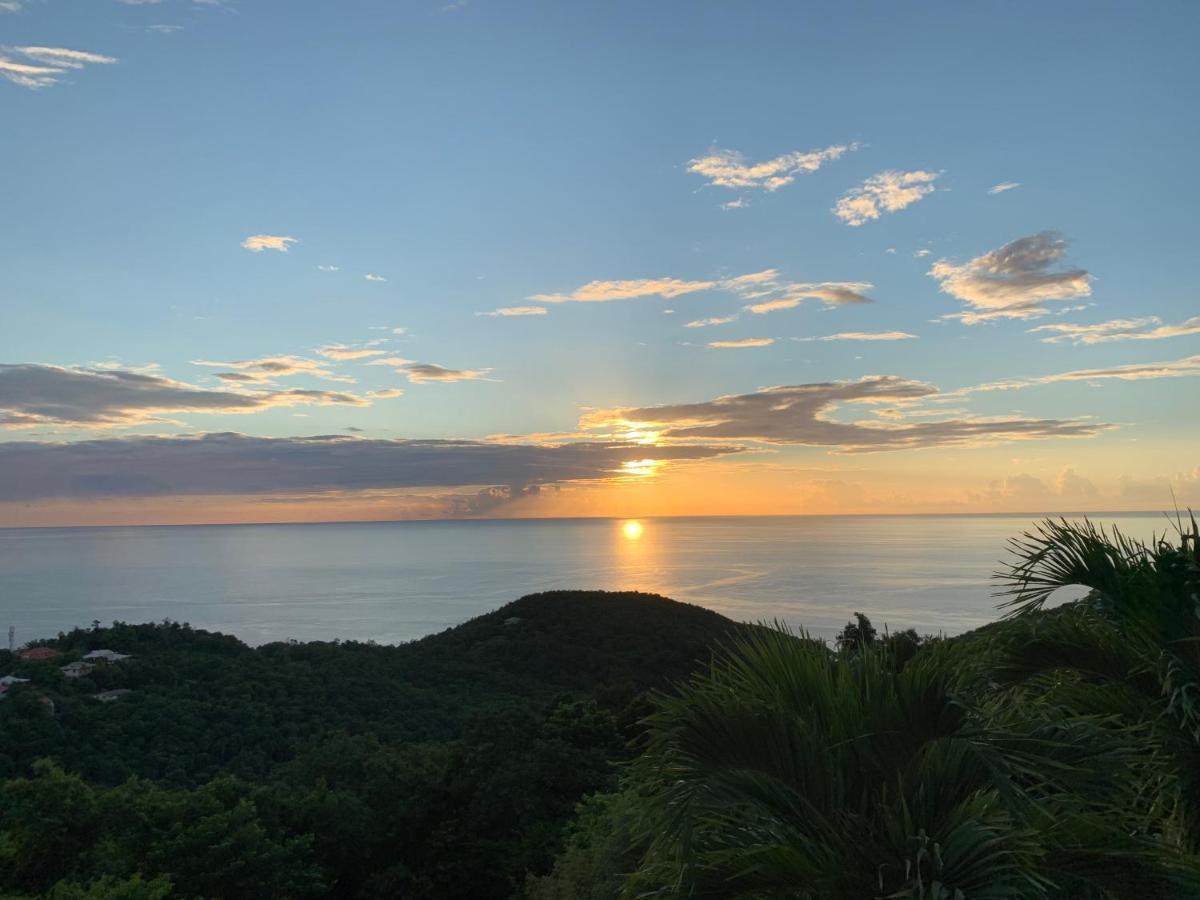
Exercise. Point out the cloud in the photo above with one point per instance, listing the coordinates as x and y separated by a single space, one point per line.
1014 281
741 344
342 352
1004 186
420 373
1188 367
921 254
260 242
606 291
328 268
385 394
1149 328
164 29
507 311
800 414
45 66
888 191
739 203
10 6
268 368
864 336
715 320
788 295
766 290
233 464
374 278
33 394
728 168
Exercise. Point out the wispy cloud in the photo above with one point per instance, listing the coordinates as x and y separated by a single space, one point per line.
1004 186
739 203
164 29
420 373
788 295
742 343
765 290
888 191
728 168
374 278
44 66
506 311
328 268
1188 367
10 6
800 414
257 243
265 369
1148 328
714 320
1014 281
343 352
38 395
864 336
628 289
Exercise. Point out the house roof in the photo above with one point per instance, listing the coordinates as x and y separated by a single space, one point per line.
38 653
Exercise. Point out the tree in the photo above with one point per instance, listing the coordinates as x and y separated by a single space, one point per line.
785 771
859 633
1131 647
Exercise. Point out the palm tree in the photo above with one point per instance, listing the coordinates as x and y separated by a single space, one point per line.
1131 646
789 771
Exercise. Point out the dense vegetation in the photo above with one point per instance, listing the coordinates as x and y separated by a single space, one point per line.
446 767
582 745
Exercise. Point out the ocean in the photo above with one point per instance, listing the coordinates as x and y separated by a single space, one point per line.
397 581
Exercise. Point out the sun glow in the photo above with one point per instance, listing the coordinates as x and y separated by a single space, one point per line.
641 468
632 529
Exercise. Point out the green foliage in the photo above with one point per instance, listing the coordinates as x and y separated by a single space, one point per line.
603 847
859 633
57 832
787 771
1052 755
1150 593
448 767
203 705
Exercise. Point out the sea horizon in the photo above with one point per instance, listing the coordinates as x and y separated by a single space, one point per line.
397 581
1032 514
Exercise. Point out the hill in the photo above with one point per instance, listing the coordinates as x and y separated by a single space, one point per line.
203 704
445 767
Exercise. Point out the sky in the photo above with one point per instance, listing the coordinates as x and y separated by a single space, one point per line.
305 261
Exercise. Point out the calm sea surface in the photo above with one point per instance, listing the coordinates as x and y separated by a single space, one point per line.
397 581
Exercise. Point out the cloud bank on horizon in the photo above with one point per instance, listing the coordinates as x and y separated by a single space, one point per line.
633 313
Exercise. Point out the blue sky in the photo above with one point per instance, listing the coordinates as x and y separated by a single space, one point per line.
481 154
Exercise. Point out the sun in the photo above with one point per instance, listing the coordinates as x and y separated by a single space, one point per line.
632 530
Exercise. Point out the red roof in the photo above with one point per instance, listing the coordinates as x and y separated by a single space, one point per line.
38 653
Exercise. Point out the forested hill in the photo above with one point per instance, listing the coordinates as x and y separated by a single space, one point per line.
446 767
203 704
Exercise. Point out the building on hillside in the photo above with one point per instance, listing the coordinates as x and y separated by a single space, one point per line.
7 682
111 696
106 656
38 653
77 669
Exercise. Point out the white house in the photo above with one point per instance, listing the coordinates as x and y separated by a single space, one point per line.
77 669
106 655
112 696
8 681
